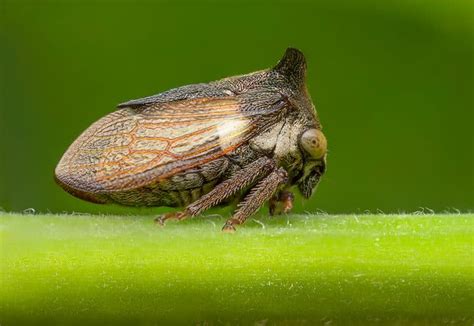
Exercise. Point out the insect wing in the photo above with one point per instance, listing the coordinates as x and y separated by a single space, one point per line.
133 147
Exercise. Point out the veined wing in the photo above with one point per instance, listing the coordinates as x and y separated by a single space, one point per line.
133 147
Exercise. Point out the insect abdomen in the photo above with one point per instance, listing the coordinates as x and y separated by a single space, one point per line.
177 191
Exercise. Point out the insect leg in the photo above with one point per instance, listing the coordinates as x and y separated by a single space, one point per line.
281 203
263 191
241 179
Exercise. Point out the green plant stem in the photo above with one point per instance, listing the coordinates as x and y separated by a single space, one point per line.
290 269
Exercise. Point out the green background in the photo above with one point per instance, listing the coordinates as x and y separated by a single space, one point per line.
392 82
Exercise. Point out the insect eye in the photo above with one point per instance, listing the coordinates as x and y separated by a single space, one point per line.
314 143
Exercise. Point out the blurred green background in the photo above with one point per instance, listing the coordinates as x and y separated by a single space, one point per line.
392 82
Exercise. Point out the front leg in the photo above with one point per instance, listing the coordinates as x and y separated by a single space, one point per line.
281 203
262 192
240 180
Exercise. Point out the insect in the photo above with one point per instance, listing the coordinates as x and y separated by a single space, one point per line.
245 139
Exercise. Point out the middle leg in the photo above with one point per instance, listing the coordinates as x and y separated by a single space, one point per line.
263 191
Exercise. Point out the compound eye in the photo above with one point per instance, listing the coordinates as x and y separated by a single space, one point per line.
314 143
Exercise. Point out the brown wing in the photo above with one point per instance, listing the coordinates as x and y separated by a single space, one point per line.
133 147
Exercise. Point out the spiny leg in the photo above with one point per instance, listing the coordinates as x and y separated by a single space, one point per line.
241 179
281 203
263 191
